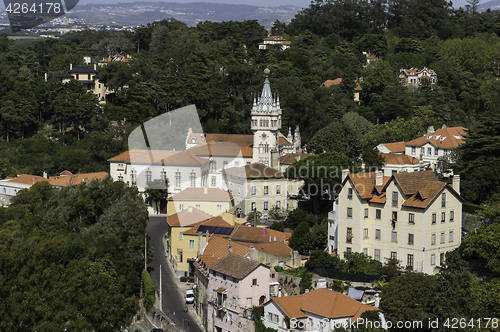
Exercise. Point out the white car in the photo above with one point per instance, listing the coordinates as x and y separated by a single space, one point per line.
189 296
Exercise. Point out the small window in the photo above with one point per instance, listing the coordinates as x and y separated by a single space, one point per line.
394 216
443 216
349 212
452 215
349 193
433 239
366 212
436 151
214 181
378 214
433 218
443 200
266 190
451 239
410 239
214 165
254 190
278 189
365 251
409 264
429 151
198 206
191 244
278 204
365 233
219 207
413 149
224 164
254 282
394 237
442 238
148 176
441 258
422 151
180 236
252 206
411 218
395 198
433 259
249 301
377 234
376 254
181 207
349 235
394 255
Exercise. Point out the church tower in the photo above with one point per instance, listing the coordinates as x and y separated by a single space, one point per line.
266 124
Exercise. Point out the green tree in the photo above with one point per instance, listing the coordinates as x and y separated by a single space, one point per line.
156 191
338 137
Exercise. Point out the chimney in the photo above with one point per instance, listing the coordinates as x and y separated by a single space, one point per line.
229 249
251 252
45 175
345 173
430 129
95 66
70 66
200 238
45 77
456 183
264 230
379 178
205 190
284 239
207 235
377 300
275 238
270 238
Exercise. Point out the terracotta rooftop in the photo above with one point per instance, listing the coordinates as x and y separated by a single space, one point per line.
163 157
253 171
245 142
288 159
365 183
224 149
202 194
218 247
426 193
338 81
274 38
26 179
235 266
446 138
258 235
74 179
410 182
398 147
399 159
322 302
187 218
276 248
284 141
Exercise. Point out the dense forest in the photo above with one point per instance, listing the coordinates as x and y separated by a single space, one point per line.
219 68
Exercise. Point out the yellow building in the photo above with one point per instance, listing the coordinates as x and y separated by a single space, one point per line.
213 201
412 217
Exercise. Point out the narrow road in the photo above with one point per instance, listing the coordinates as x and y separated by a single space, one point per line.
173 302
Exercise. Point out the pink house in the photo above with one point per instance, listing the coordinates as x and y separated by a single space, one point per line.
235 285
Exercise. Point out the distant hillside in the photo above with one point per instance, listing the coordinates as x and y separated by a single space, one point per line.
190 13
493 5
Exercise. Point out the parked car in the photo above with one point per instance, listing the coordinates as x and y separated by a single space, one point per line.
189 296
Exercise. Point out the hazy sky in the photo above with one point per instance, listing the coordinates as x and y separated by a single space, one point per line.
300 3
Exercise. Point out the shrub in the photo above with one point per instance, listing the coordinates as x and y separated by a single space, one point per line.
149 290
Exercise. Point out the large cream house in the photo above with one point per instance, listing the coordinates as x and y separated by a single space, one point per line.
412 217
213 201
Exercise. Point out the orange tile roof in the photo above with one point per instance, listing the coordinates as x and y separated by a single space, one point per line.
410 182
225 149
74 179
218 246
187 218
365 183
289 158
26 179
425 194
253 171
214 221
198 194
235 266
275 248
258 235
362 308
378 199
284 141
65 172
245 142
163 157
322 302
399 159
446 138
338 81
398 147
274 38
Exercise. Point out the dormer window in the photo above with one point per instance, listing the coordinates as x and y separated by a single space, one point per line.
193 140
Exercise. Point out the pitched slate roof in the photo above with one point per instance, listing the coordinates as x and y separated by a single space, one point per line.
445 138
202 194
187 217
253 171
235 266
163 157
322 302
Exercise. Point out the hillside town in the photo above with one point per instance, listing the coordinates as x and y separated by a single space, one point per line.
226 177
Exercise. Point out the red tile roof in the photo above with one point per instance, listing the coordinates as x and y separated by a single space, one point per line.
398 147
27 179
322 302
214 221
399 159
446 138
258 235
364 183
338 81
289 158
218 247
74 179
245 142
275 248
235 266
224 149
